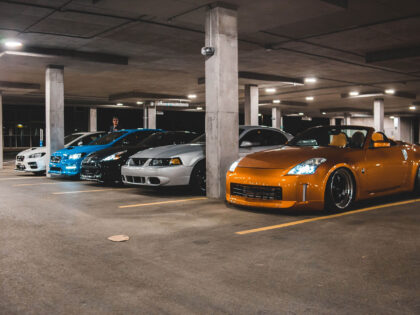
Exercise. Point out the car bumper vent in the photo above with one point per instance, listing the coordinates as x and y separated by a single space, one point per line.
256 192
55 159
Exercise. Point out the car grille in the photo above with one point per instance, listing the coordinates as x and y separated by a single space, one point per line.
55 159
33 165
55 169
139 161
256 192
135 179
20 158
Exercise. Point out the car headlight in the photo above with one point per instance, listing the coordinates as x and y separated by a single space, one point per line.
308 167
166 162
76 156
233 166
36 155
114 157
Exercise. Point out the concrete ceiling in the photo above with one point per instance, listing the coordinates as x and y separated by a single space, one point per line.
328 39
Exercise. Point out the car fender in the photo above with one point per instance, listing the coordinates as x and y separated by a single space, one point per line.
351 169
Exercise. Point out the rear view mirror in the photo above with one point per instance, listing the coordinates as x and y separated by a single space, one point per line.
381 144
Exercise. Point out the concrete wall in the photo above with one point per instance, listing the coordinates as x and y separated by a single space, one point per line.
404 134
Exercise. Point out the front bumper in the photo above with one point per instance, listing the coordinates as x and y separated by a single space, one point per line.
36 165
65 167
156 176
101 171
297 191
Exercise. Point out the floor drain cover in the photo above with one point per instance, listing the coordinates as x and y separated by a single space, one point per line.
119 238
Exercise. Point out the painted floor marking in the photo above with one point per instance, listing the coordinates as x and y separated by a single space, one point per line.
162 202
20 185
283 225
19 178
82 191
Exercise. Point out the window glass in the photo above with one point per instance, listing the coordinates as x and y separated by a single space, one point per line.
108 138
263 137
70 138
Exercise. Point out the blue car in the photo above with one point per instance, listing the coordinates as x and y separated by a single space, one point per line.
68 161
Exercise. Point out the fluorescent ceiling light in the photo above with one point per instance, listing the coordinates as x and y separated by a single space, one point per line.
354 93
270 90
199 108
276 101
139 103
390 91
120 104
259 115
309 98
324 113
310 80
12 44
301 114
392 117
412 107
192 96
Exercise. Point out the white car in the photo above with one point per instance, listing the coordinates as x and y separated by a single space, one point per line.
184 164
34 160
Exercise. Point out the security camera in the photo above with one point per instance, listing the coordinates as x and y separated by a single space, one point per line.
207 51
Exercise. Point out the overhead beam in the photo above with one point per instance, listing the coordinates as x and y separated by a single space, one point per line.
284 103
345 110
8 85
339 3
262 77
392 54
66 53
143 95
375 93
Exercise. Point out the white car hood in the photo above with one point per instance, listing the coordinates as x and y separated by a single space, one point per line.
33 151
170 150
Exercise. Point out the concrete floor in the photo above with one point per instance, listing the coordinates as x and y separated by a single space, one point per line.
185 257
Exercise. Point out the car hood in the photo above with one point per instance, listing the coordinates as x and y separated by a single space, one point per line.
109 151
288 156
168 151
33 151
81 149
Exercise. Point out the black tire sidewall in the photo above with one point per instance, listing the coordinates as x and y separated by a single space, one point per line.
329 204
201 165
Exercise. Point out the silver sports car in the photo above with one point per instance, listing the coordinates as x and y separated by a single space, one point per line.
184 164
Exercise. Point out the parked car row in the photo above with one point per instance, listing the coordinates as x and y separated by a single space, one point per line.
323 167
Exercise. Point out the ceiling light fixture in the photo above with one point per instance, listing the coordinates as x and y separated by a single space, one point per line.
270 90
192 96
354 93
12 44
276 101
301 114
392 117
139 103
324 113
199 108
120 104
390 91
412 107
309 98
310 80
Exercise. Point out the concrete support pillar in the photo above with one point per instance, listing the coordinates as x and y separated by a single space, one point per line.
276 118
54 109
251 105
378 114
222 121
347 120
397 128
1 131
144 116
151 118
93 119
332 122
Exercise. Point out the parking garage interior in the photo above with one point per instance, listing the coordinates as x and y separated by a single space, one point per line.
70 66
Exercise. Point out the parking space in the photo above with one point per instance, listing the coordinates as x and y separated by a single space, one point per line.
185 254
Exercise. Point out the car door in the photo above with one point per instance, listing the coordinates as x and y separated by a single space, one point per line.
260 139
385 168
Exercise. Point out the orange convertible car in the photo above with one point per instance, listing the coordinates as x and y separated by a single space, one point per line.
325 167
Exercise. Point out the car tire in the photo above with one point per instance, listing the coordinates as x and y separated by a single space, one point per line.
340 191
198 178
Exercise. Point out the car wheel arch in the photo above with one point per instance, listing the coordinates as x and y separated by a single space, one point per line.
352 172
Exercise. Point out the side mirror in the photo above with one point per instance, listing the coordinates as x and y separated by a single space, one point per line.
381 144
246 144
80 143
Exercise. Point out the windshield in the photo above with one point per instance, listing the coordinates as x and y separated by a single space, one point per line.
70 138
108 138
201 139
346 137
153 140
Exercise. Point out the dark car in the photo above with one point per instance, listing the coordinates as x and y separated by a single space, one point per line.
105 165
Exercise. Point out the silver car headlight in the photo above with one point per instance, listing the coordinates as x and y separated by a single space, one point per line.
308 167
166 162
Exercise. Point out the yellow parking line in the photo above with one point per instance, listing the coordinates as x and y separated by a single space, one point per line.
279 226
18 178
20 185
81 191
162 202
